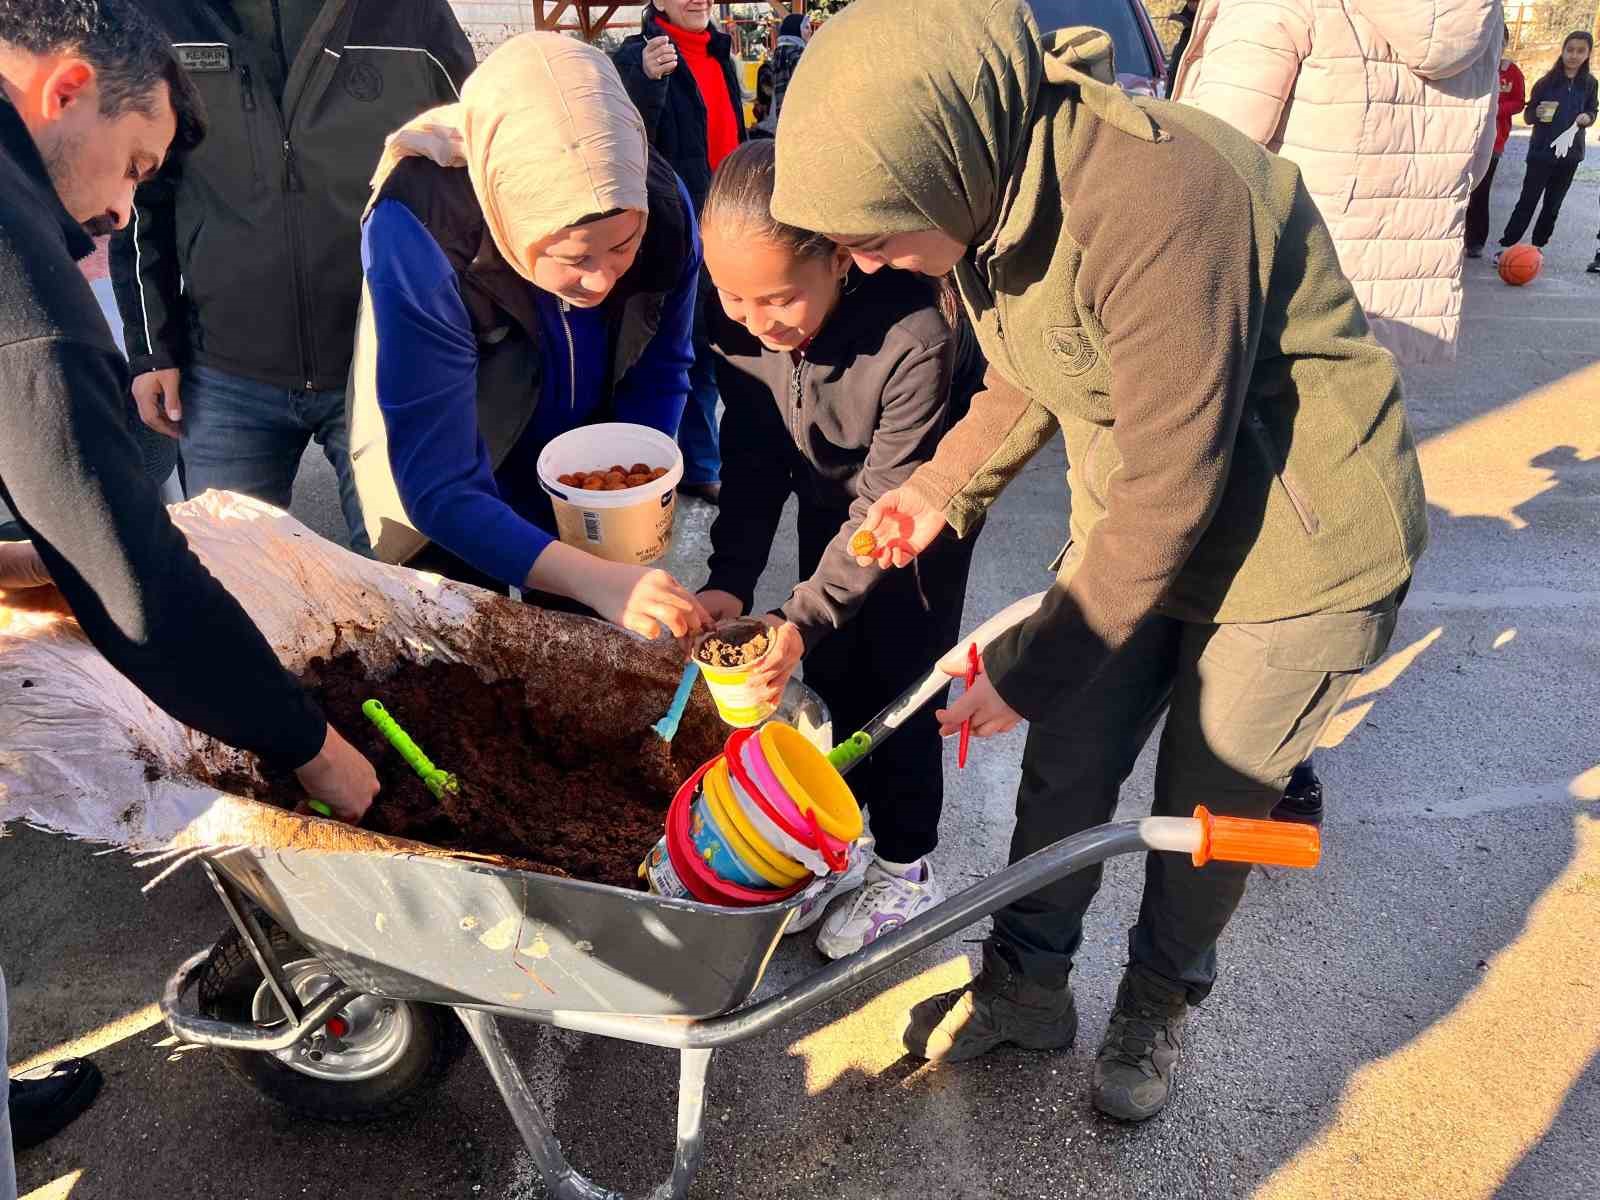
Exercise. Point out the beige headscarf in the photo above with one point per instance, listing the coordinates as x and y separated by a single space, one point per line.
548 134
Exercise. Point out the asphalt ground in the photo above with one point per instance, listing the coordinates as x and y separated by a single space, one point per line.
1420 1017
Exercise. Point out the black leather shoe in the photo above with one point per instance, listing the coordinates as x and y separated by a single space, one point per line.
47 1099
1302 800
1594 267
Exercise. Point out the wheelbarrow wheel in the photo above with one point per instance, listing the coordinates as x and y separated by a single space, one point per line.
376 1059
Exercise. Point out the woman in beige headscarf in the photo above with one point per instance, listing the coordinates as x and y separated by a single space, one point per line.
530 268
1246 506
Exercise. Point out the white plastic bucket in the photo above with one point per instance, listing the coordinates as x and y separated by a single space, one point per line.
633 525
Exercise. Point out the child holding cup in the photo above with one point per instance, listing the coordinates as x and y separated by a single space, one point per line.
838 386
1561 106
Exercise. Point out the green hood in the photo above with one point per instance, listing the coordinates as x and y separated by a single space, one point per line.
932 110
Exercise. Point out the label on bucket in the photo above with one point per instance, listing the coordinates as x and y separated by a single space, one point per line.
591 526
662 877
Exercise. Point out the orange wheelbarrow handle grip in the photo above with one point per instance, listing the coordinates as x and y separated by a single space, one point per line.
1270 843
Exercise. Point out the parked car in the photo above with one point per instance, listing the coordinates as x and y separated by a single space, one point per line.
1141 62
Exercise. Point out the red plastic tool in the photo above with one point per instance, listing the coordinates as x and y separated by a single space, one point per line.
966 726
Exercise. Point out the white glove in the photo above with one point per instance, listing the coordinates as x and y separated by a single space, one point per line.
1563 141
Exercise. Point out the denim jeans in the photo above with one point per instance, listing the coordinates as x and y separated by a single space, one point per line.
8 1168
248 437
697 432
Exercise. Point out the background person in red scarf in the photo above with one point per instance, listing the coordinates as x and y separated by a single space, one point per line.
1512 98
679 71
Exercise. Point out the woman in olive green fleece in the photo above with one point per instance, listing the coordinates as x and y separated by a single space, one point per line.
1246 507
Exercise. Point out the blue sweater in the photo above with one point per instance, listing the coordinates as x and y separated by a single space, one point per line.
497 521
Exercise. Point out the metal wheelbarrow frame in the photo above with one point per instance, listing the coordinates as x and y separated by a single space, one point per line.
492 942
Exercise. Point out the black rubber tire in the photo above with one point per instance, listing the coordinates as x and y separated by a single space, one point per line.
226 988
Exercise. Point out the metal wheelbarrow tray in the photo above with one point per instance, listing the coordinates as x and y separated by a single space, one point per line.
490 941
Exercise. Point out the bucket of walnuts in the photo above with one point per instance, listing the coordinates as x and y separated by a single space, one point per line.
614 490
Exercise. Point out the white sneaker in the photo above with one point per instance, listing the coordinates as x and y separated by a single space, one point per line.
812 910
884 904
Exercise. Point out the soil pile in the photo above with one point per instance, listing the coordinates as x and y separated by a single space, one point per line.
553 790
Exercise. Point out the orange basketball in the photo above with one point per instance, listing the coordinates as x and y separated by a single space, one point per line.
1520 264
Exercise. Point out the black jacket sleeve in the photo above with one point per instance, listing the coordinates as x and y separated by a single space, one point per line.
649 95
72 475
914 413
146 278
756 483
447 42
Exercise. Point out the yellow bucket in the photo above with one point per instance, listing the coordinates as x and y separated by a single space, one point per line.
765 860
737 702
813 783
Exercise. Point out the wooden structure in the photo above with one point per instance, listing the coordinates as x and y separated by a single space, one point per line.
590 18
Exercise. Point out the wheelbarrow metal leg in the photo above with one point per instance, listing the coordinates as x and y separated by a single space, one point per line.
256 941
560 1180
692 1068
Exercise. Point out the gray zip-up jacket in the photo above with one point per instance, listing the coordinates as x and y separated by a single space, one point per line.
839 426
247 256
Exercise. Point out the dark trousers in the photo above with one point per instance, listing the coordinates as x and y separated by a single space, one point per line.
1478 208
857 670
1245 704
1543 187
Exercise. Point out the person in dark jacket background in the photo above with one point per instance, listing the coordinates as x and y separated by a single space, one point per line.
1513 96
838 386
772 81
679 70
239 278
1561 106
531 267
92 100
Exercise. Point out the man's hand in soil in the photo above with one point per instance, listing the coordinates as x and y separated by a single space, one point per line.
980 704
903 524
772 675
156 394
341 778
721 606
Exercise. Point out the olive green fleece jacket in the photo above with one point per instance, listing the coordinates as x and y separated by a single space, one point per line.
1148 281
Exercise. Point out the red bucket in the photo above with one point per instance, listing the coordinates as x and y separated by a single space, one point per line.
703 883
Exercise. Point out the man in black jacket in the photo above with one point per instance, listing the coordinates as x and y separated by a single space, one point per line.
239 279
91 100
679 71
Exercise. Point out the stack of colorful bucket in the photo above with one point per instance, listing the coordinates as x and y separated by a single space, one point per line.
756 823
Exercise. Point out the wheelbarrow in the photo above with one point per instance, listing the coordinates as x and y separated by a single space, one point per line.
339 1004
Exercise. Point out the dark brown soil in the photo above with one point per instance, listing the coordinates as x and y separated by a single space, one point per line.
736 645
535 786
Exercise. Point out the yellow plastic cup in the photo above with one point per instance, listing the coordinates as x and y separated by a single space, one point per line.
760 856
737 702
813 783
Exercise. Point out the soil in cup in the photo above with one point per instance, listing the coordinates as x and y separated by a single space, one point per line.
559 798
735 646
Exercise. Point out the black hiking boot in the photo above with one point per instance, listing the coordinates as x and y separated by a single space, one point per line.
1594 267
997 1008
46 1100
1302 799
1133 1071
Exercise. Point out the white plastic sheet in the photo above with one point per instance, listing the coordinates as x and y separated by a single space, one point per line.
82 751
